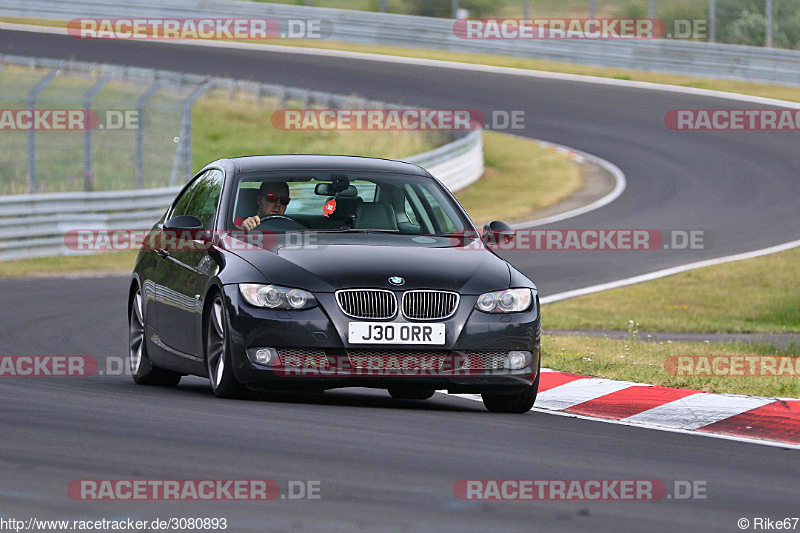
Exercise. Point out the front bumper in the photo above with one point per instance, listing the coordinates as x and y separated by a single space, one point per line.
323 330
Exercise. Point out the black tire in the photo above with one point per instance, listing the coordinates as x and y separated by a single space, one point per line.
411 394
218 354
513 403
142 369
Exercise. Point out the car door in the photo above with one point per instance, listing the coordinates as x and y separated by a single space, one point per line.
185 268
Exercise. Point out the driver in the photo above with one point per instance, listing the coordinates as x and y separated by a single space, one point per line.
272 199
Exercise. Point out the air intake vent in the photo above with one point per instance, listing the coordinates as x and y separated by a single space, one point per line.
367 303
429 305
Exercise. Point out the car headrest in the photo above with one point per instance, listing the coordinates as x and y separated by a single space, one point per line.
375 215
246 203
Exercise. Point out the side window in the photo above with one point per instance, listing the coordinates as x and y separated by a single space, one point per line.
203 203
183 201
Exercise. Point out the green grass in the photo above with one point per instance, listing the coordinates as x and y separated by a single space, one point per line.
538 176
121 262
644 362
756 295
227 125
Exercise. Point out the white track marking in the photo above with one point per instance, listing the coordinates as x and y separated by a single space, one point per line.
537 409
748 440
579 391
667 272
619 187
698 410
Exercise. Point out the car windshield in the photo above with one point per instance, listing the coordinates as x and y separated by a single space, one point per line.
336 201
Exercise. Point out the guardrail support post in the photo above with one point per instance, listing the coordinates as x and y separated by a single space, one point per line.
32 95
87 140
769 24
140 103
184 150
712 21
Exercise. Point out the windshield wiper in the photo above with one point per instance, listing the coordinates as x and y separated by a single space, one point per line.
464 235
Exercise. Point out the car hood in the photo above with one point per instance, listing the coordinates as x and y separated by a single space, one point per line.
338 266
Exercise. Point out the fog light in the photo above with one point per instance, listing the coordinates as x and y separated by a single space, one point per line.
518 359
262 356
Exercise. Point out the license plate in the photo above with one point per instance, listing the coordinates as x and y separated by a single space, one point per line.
395 333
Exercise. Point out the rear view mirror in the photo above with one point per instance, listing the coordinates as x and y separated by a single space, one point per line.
498 233
329 189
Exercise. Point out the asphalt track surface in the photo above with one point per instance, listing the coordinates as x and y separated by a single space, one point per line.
388 464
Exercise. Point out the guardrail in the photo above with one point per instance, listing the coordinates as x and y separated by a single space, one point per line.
663 55
34 225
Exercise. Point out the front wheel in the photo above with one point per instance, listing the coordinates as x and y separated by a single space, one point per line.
142 370
513 403
218 356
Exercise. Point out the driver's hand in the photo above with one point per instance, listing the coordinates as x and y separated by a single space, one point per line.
251 222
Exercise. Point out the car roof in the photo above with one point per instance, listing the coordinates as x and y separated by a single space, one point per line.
260 163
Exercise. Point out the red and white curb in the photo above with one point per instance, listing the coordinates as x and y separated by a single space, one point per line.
772 421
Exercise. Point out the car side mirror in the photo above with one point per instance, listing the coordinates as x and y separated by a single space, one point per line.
182 229
183 222
497 232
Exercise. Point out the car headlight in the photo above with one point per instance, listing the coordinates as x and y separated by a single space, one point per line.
507 301
276 297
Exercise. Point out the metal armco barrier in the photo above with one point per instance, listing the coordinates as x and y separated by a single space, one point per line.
663 55
34 225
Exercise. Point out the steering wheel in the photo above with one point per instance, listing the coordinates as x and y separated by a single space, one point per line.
284 222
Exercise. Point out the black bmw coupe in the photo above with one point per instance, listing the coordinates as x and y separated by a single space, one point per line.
300 272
